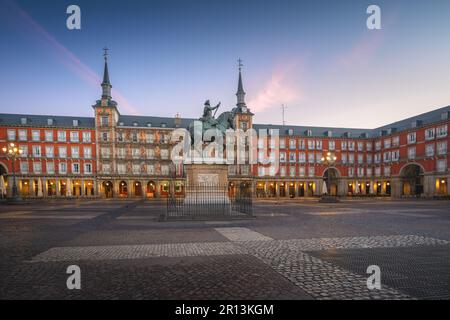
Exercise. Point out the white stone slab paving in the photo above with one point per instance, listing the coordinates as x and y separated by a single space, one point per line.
242 234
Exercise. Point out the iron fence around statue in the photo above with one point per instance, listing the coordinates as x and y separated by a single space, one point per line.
208 201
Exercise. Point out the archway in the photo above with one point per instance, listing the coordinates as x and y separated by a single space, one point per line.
151 189
108 188
137 189
330 176
245 189
123 189
412 180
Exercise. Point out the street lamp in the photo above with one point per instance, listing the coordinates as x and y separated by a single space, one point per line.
12 152
328 160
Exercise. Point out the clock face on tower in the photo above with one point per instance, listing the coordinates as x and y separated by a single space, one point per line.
244 109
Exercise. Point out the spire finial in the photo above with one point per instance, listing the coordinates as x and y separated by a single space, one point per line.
105 54
240 65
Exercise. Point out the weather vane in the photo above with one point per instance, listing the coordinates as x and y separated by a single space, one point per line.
105 49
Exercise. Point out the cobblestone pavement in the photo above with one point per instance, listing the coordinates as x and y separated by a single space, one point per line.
292 250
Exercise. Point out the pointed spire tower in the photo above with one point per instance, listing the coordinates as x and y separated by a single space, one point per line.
106 84
240 94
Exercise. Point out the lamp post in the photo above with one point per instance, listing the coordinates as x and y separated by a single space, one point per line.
328 160
12 152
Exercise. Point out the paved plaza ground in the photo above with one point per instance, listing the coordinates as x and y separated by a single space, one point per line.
291 250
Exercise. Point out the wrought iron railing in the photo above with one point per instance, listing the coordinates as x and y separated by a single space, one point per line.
208 201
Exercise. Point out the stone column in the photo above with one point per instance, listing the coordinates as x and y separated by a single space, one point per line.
58 191
429 185
44 187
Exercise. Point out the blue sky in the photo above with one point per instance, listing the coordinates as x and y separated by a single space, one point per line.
168 57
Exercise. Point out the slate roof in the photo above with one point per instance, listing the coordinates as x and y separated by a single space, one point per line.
41 120
143 121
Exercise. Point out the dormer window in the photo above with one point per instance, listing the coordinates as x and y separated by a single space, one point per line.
290 132
163 125
49 122
149 124
445 115
308 133
135 124
75 123
23 120
416 124
121 123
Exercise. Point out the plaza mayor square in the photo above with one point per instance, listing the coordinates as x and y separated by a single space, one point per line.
224 152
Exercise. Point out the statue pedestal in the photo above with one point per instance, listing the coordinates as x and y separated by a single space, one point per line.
206 184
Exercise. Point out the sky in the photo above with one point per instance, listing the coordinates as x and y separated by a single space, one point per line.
318 58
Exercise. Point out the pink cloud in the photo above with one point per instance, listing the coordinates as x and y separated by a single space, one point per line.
279 89
362 52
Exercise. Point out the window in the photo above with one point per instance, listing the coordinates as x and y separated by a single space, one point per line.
11 134
344 158
74 136
135 153
62 151
244 125
292 158
272 171
23 120
301 144
360 158
61 136
351 146
377 158
442 148
311 144
134 137
360 172
149 137
87 168
387 171
377 171
121 168
48 136
106 168
136 169
105 152
22 135
441 165
369 146
369 158
369 172
261 171
75 168
396 141
104 121
351 158
75 152
24 150
311 157
331 145
86 136
319 144
430 133
150 169
378 145
395 155
50 167
301 171
37 167
105 137
150 153
387 143
311 171
283 171
165 170
411 137
292 144
387 157
36 151
429 150
75 123
411 153
292 171
360 146
351 172
302 157
49 151
35 135
49 122
282 143
23 167
87 152
282 157
344 145
441 131
164 154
